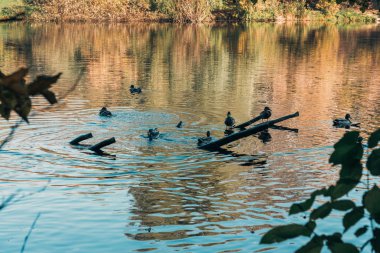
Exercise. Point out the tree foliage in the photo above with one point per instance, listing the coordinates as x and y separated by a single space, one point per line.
348 153
15 94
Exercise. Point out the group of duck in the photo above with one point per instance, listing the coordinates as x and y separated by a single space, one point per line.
229 121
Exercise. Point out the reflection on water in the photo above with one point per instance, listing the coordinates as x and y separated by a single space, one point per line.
166 195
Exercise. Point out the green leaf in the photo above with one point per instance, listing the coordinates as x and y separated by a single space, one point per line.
343 248
343 205
311 225
361 231
351 218
346 149
321 212
351 170
343 187
306 205
374 139
315 245
375 242
373 162
282 233
302 206
371 202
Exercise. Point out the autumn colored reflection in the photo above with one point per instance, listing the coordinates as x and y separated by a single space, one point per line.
167 195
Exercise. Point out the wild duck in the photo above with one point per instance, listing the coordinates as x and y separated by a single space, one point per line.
134 90
180 124
205 140
344 123
229 121
266 114
104 112
153 133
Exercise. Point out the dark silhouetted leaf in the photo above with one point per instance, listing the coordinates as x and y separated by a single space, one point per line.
281 233
315 245
347 149
15 81
42 83
361 231
50 96
321 212
23 107
343 248
311 225
343 205
302 206
342 188
375 241
334 238
371 202
5 111
351 170
373 162
374 139
352 217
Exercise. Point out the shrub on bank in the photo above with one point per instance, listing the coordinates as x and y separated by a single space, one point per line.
190 11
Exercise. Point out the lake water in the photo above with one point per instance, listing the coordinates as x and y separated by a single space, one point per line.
167 195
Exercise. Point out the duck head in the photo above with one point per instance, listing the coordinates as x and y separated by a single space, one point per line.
347 117
103 109
266 108
208 133
132 86
228 114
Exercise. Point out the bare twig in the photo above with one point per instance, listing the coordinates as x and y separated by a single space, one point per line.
30 232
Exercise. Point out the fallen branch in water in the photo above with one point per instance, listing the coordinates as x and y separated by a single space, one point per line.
97 147
249 122
250 131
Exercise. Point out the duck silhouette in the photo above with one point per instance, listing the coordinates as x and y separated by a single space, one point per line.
104 112
266 113
205 140
180 124
345 123
229 121
134 90
153 133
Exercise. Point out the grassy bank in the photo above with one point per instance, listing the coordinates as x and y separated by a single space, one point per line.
192 11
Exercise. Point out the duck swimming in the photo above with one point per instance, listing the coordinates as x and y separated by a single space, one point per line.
205 140
153 134
229 121
104 112
344 123
266 114
134 90
180 124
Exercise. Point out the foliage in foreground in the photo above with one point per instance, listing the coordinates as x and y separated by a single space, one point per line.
348 153
15 94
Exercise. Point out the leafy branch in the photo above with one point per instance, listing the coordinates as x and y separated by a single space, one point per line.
16 95
348 153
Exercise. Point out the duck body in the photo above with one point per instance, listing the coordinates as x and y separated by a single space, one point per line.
104 112
153 134
345 123
205 140
134 90
229 121
266 114
180 124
